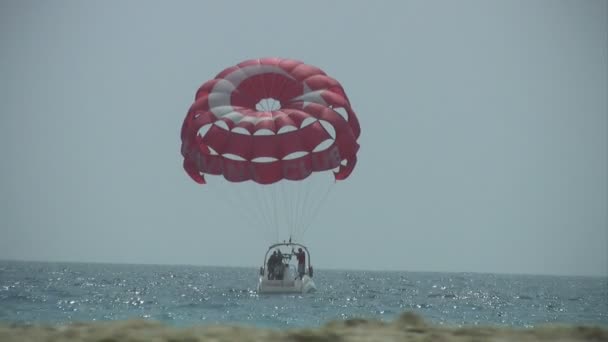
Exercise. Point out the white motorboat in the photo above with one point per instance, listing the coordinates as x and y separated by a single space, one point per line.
282 276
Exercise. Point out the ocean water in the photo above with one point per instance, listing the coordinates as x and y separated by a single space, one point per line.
57 293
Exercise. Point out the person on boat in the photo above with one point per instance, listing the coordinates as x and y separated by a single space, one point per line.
301 262
279 266
272 261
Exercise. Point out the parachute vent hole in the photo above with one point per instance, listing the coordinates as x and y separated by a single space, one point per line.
342 112
268 104
329 128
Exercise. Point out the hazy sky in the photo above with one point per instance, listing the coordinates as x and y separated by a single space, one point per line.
483 146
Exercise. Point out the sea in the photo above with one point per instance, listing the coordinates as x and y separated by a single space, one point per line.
61 293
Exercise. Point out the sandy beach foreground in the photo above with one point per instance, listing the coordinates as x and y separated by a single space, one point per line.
407 327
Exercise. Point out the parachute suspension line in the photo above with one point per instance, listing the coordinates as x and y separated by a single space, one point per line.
313 209
261 202
268 207
303 204
304 207
276 211
281 202
244 212
272 210
264 202
299 204
300 209
258 208
313 188
245 195
294 205
318 207
286 206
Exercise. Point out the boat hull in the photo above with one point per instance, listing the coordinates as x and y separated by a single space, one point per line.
304 285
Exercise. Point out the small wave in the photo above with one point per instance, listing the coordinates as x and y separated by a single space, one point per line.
441 295
524 297
238 290
189 305
18 297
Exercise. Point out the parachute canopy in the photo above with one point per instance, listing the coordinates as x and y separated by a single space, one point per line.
270 119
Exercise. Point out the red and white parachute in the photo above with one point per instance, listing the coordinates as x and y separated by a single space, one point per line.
270 121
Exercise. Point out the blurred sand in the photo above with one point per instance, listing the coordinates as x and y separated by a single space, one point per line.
407 327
